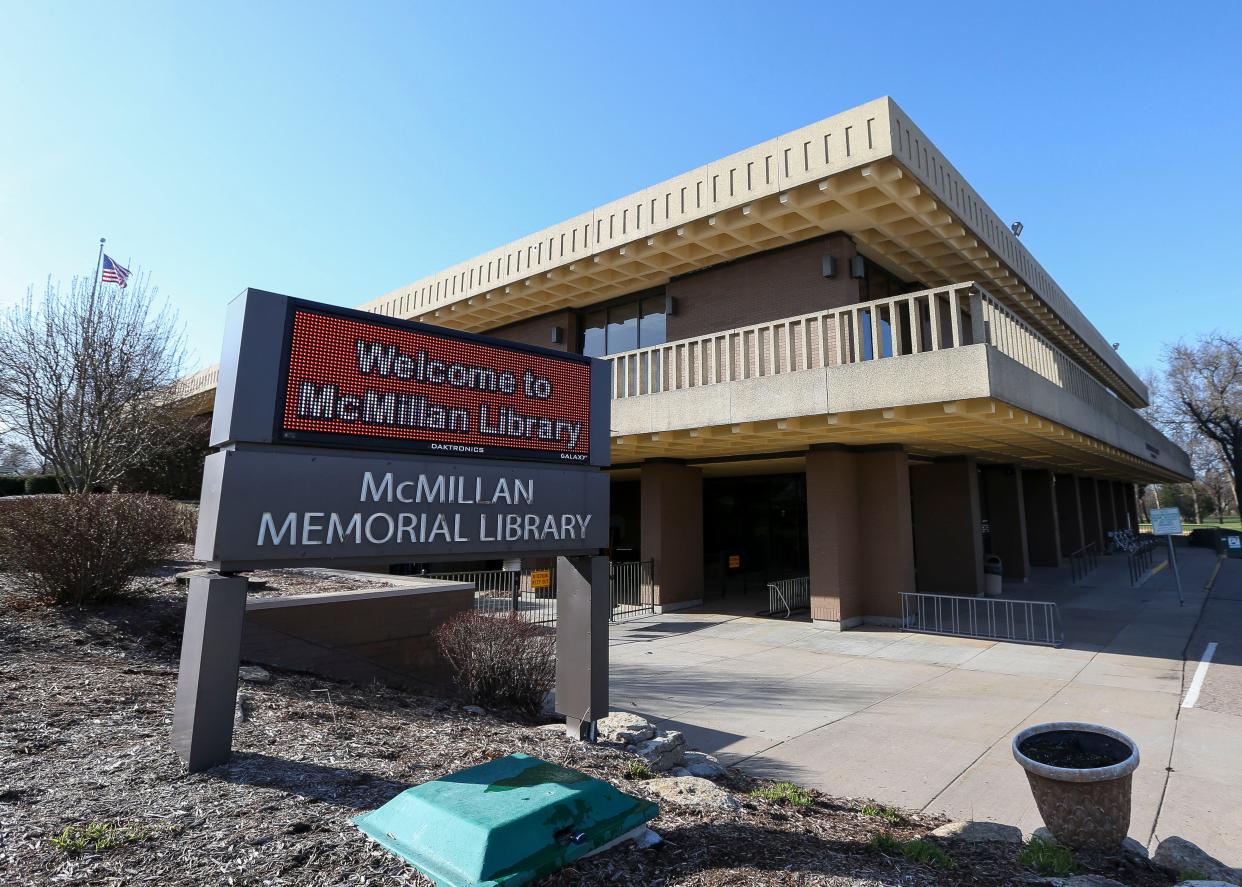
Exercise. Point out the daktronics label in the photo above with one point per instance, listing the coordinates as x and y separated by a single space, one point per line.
356 383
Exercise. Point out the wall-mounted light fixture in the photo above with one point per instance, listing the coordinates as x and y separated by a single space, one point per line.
858 267
1016 228
670 306
829 266
558 335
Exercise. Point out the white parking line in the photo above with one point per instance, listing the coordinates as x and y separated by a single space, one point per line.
1196 683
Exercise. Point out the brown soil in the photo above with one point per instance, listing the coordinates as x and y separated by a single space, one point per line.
85 703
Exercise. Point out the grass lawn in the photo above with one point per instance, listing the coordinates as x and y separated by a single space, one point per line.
1231 523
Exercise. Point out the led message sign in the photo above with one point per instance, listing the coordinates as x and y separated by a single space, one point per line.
350 380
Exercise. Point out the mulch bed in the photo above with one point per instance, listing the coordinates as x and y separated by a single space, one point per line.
85 709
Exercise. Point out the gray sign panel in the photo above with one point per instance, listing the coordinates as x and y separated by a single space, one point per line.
274 505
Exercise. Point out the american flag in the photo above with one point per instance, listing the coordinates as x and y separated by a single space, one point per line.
114 273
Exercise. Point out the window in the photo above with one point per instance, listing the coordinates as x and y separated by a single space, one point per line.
625 325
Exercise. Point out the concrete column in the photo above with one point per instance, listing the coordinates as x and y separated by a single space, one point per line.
1043 532
1118 503
1069 514
1007 517
832 534
672 531
1108 518
859 535
887 543
1089 493
948 548
1132 494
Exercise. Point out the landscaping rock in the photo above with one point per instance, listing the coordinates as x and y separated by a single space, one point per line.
254 674
1205 884
665 751
473 709
692 791
1179 855
1132 848
976 832
625 728
702 764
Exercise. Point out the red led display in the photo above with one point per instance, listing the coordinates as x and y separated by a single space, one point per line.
358 383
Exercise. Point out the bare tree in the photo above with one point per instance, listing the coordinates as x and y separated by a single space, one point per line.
1202 390
15 457
84 375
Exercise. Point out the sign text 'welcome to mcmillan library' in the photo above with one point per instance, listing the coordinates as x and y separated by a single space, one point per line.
349 381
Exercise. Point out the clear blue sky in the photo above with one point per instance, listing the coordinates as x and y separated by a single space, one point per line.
338 151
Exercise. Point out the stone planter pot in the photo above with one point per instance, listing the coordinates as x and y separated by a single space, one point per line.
1080 775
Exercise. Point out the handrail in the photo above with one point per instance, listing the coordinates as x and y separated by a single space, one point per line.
928 320
1139 559
1083 561
792 594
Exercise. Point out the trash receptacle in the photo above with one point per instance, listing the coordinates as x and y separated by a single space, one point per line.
992 575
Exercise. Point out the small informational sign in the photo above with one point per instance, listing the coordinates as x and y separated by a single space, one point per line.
1166 522
540 578
1234 541
735 562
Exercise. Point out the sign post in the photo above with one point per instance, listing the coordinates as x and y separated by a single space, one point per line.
1167 522
347 438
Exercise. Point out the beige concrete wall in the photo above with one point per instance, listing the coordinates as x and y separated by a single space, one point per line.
672 530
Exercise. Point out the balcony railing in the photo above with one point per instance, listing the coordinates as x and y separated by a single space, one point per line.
914 323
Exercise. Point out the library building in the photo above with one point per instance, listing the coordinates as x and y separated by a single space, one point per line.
833 363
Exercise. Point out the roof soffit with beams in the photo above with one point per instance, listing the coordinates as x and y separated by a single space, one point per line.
868 171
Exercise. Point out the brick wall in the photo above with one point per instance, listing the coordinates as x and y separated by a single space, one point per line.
767 286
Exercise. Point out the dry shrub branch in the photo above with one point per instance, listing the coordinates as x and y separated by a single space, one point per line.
499 661
82 548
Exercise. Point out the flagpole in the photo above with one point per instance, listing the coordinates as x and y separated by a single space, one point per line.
98 265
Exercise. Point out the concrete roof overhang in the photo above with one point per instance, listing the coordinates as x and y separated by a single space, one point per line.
868 172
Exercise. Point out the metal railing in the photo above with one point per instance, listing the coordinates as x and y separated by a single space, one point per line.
1139 559
995 619
788 595
632 589
1083 561
529 594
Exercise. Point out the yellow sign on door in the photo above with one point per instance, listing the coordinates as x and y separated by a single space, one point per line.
540 578
735 561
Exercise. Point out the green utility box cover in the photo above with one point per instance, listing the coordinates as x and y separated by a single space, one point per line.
506 822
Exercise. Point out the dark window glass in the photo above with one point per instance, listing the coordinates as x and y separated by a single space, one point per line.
652 327
593 334
622 328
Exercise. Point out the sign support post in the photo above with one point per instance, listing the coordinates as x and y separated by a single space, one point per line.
582 604
1167 522
207 679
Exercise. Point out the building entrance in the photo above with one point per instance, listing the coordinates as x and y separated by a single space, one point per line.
754 532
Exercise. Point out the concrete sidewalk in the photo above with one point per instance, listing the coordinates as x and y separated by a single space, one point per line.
925 722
